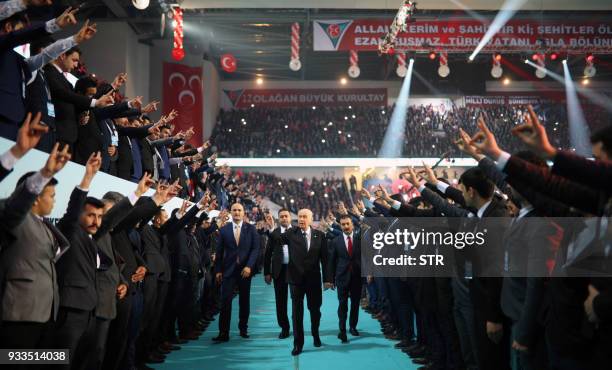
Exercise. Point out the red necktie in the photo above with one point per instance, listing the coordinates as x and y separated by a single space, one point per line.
350 247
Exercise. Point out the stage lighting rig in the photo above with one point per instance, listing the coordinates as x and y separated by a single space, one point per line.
402 18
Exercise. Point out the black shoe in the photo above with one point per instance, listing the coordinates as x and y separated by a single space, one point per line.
342 337
296 351
179 341
244 334
154 360
420 361
221 338
144 367
354 332
317 341
283 334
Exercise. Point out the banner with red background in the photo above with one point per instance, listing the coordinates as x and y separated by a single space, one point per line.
464 35
183 91
305 97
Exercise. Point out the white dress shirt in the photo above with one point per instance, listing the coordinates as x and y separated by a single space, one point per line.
285 246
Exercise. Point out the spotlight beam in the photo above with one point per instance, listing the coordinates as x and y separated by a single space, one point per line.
393 141
508 9
598 99
472 13
579 130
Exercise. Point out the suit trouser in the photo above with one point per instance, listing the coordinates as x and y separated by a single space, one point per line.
536 357
25 335
491 356
446 323
156 320
314 297
281 295
185 303
353 290
400 294
373 296
117 333
150 306
208 296
244 300
75 330
463 312
129 359
94 362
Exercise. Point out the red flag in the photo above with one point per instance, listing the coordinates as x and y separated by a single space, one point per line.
183 91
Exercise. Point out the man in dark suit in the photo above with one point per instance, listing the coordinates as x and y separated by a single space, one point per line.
308 254
276 259
345 266
14 71
66 101
237 252
491 326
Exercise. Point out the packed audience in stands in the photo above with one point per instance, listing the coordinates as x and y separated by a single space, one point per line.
359 131
120 282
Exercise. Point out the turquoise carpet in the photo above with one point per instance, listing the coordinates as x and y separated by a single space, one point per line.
263 350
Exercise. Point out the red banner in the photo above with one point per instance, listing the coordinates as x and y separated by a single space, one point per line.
183 91
464 35
306 97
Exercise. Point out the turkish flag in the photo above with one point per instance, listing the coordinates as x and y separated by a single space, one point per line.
183 90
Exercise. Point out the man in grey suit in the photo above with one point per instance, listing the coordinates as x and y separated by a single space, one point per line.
30 299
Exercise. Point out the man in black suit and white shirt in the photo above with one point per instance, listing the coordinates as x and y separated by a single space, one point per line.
276 260
66 101
345 266
308 253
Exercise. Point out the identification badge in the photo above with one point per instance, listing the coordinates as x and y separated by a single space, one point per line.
50 109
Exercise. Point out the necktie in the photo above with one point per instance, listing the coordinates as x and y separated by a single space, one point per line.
305 239
350 247
237 234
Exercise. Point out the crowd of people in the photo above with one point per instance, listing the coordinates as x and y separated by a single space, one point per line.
120 282
359 131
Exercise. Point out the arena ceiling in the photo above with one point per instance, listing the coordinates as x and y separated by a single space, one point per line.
257 33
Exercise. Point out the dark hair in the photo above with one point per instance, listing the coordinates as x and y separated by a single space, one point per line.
476 179
94 202
20 17
72 50
38 45
531 157
25 176
104 88
283 210
165 127
113 196
416 201
603 135
85 83
345 216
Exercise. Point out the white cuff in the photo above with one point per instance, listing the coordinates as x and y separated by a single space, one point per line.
8 160
36 183
129 104
200 149
133 198
396 205
442 186
502 160
421 188
93 103
83 189
51 26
